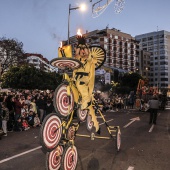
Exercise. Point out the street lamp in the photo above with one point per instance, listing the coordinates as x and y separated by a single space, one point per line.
82 7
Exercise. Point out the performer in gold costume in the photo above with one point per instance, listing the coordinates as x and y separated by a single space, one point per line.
84 78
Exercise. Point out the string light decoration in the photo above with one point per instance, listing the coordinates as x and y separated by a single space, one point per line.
100 6
119 5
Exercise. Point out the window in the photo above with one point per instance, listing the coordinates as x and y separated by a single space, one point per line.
161 36
144 44
105 39
35 60
164 79
163 63
164 68
162 52
116 37
150 38
150 43
105 46
150 48
164 74
162 57
161 41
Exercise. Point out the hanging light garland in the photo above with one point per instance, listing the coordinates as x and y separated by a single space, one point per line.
98 9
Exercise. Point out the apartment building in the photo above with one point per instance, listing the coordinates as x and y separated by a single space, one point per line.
122 50
143 64
158 44
39 62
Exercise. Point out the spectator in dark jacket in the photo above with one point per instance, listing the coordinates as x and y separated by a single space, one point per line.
10 106
153 107
5 117
18 105
41 107
49 107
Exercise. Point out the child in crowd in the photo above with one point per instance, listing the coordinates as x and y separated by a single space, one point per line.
36 121
30 118
25 125
25 111
18 125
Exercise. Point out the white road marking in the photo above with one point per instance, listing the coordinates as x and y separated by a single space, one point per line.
106 121
23 153
100 116
132 120
150 130
131 168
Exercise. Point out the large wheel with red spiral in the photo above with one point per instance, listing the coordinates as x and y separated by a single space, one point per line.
69 158
118 139
82 114
53 158
63 103
50 132
89 123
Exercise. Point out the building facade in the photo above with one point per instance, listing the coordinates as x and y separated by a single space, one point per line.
158 44
39 62
143 64
122 50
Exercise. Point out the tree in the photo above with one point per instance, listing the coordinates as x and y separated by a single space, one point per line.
130 80
28 77
11 53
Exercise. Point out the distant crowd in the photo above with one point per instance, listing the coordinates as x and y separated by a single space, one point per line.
22 110
25 109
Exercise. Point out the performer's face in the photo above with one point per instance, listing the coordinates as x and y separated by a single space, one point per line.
82 53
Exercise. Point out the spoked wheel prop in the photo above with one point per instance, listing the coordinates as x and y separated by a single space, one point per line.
53 158
63 103
82 114
99 54
89 123
118 139
69 158
50 132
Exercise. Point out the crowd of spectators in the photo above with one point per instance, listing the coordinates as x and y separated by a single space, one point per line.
117 102
24 109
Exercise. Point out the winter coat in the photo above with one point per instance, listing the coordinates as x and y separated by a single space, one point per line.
5 114
153 104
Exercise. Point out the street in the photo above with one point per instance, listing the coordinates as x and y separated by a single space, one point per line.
143 146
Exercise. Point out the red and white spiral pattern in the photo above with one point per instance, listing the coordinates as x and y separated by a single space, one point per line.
89 123
70 159
65 63
82 114
54 158
62 101
52 132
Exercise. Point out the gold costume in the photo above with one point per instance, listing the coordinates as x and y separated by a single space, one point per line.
84 78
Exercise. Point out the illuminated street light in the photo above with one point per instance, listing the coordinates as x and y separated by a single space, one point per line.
82 7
